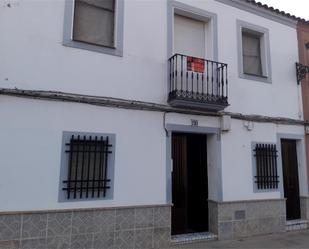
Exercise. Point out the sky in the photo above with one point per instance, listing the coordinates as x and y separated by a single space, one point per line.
299 8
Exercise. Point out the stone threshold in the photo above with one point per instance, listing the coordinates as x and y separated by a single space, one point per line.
294 225
193 237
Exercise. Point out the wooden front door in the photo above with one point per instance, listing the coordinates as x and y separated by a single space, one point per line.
290 178
189 183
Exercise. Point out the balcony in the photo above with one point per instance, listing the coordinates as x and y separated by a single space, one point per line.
197 83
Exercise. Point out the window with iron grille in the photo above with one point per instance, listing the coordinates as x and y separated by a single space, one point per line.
266 176
87 169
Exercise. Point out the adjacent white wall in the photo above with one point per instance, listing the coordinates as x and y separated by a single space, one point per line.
33 56
237 170
30 145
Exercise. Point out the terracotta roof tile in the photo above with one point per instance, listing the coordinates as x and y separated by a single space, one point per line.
269 8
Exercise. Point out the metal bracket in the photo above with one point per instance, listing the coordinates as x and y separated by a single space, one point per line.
301 72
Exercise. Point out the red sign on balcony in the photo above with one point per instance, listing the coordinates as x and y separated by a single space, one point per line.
195 64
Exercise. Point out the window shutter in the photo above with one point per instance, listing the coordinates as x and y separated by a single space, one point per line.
94 22
251 54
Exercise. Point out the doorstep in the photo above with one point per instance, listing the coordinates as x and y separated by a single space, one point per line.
294 225
193 237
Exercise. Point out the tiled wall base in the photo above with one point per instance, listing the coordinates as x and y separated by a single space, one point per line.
136 227
232 220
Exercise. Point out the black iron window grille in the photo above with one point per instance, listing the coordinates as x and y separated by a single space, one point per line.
266 166
87 167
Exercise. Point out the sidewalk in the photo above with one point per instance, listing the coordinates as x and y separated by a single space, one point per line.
295 240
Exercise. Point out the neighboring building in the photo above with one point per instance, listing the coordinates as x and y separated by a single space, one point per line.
112 111
303 78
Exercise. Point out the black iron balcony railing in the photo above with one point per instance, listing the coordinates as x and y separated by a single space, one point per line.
199 83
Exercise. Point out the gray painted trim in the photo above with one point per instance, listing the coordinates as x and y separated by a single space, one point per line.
255 189
68 29
189 129
263 33
301 157
66 135
76 209
248 201
169 167
192 12
192 129
239 4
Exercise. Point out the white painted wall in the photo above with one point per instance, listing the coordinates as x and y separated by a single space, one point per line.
235 164
237 170
30 146
33 57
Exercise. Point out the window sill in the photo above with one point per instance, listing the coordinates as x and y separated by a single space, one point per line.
271 190
256 75
93 48
253 77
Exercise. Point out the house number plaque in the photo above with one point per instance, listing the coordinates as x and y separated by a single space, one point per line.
194 122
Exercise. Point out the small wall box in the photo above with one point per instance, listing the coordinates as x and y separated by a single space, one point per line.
225 123
307 129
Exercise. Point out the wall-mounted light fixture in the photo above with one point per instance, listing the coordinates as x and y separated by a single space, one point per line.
301 72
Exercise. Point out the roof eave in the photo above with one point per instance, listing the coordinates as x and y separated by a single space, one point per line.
263 11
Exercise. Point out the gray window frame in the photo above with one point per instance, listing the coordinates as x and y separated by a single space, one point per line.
66 135
118 39
263 33
254 169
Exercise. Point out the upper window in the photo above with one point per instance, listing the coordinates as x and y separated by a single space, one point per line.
253 52
94 22
95 25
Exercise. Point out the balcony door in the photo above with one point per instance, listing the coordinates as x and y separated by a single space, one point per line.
189 36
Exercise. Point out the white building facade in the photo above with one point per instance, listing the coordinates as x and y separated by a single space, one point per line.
125 122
